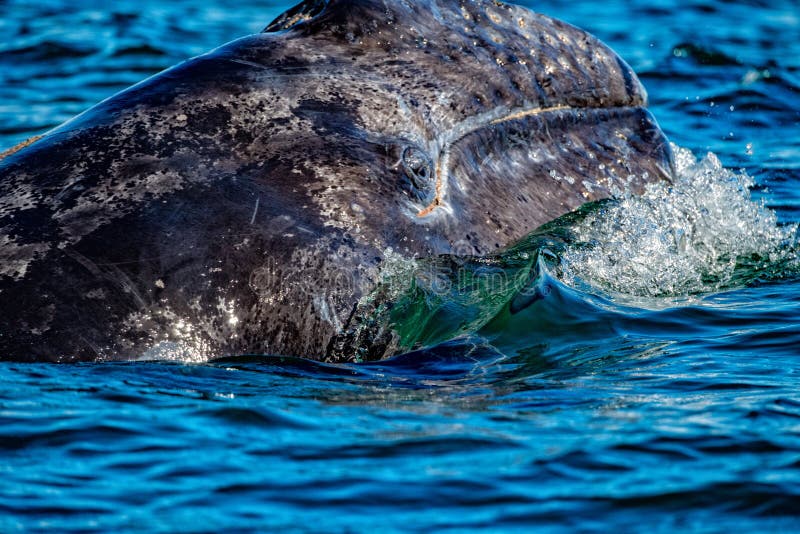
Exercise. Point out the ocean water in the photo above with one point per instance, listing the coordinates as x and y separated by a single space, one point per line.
648 383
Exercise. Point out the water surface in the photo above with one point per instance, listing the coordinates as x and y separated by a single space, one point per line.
650 384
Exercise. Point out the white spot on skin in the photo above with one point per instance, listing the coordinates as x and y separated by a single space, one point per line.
16 258
494 17
96 294
321 304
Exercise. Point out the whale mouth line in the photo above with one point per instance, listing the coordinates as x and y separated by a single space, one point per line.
475 123
527 112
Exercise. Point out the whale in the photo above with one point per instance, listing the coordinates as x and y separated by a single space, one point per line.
248 200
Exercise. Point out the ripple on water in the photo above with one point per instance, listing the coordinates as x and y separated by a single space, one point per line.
653 387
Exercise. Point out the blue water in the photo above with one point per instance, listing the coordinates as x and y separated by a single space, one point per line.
632 397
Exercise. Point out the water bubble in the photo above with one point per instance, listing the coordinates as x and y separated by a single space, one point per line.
695 235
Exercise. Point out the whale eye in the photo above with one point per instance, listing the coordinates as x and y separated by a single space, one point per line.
418 169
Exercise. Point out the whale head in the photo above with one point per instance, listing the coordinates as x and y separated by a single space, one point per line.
248 200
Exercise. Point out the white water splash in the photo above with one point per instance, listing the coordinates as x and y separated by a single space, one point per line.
683 238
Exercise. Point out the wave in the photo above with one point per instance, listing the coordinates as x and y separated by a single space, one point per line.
699 234
634 264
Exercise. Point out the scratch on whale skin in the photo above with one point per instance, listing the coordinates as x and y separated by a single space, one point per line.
17 148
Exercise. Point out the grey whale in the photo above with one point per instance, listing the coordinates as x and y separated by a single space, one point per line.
244 201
